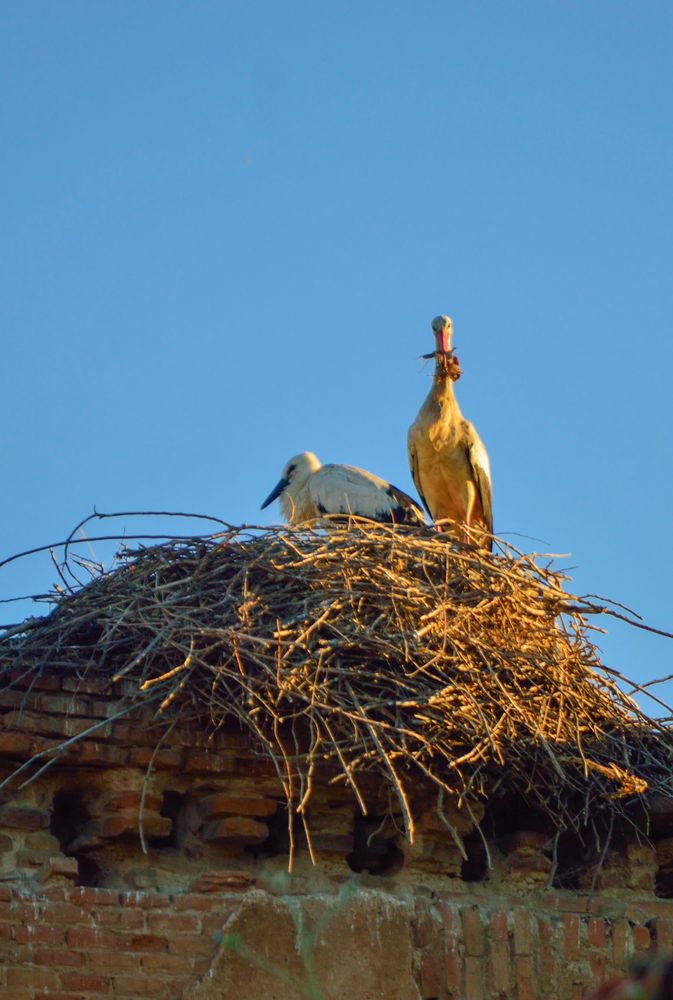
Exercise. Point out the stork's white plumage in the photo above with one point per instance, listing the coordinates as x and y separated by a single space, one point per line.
308 490
448 461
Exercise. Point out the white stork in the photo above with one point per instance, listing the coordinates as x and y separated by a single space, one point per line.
308 490
449 463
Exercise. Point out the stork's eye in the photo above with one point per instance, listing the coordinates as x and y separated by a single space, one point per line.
291 470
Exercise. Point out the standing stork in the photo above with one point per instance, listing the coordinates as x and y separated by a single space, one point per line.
308 490
449 463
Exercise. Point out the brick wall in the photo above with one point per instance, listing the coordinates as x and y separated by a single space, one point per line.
79 943
88 910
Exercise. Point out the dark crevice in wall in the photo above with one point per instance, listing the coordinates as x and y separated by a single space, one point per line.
663 883
373 852
69 816
475 867
278 841
172 806
89 872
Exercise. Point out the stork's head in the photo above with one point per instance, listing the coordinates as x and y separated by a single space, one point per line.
443 330
296 474
447 362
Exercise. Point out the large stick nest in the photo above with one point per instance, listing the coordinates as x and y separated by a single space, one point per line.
358 647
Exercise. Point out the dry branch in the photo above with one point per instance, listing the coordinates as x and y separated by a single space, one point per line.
360 647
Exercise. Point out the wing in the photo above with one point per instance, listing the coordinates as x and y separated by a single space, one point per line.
406 510
481 470
343 489
413 465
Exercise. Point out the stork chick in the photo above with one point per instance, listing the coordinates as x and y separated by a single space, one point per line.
449 463
308 490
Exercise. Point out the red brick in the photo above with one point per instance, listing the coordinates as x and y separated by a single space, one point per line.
191 946
85 937
523 939
55 894
39 934
141 986
620 943
67 914
23 818
124 919
642 940
500 966
145 942
547 950
149 900
525 986
452 967
474 988
14 743
58 864
664 934
85 984
63 956
222 881
429 974
163 760
56 995
239 831
195 901
498 930
209 763
448 915
571 903
571 937
90 752
529 865
596 932
597 963
90 685
60 704
173 923
167 965
19 679
113 962
423 924
51 725
472 932
15 954
91 896
220 804
119 801
29 979
6 929
5 894
27 913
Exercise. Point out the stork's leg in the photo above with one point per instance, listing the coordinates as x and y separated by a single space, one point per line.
469 511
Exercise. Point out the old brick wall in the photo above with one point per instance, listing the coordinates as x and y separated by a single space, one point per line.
78 943
87 909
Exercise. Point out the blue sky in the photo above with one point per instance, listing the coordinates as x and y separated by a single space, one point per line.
227 226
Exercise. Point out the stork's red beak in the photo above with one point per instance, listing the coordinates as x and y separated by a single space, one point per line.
443 338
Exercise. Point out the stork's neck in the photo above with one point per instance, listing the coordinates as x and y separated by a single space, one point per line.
442 391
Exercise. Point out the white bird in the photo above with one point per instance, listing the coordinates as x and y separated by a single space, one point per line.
449 463
308 490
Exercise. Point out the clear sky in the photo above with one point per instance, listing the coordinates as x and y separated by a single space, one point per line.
227 225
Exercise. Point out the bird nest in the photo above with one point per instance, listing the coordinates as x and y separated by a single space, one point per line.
355 648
